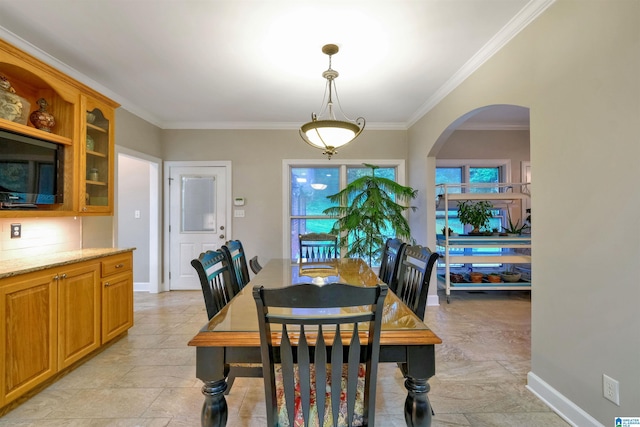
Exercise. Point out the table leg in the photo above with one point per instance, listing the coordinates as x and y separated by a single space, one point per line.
211 370
214 409
420 366
417 410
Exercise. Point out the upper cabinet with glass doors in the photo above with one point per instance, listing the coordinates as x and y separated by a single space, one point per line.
96 172
72 171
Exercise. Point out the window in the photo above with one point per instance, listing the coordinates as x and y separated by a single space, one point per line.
309 185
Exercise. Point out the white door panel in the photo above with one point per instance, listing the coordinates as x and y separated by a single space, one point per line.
198 222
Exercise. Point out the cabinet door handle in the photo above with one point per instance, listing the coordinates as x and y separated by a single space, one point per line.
107 284
63 276
119 265
56 277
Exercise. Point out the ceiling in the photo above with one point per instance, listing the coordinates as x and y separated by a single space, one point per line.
257 64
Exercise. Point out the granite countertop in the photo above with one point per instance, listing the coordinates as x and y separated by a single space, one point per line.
13 267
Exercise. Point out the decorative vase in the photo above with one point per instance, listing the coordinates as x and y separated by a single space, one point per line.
93 174
12 107
90 117
41 118
90 143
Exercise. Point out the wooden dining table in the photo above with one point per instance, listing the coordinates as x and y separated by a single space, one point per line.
232 336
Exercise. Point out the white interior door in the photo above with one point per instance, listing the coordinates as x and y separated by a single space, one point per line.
198 219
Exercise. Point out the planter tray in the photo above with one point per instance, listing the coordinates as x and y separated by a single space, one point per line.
467 283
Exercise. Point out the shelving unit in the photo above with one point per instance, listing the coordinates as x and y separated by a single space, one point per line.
467 249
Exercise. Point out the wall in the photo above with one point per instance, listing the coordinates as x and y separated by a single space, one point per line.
138 151
256 157
576 67
40 236
134 133
488 144
133 196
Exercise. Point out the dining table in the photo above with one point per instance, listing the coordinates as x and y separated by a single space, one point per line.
232 335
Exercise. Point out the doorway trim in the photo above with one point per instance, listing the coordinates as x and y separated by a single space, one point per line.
155 230
165 232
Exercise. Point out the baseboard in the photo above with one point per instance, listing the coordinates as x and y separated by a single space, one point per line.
566 409
433 300
141 286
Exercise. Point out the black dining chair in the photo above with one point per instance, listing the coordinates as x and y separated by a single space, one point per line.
414 276
238 260
318 246
214 272
316 368
255 265
391 257
218 287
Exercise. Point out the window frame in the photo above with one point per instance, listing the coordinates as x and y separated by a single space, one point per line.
342 165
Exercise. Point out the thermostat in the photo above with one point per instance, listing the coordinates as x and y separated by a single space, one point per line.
238 201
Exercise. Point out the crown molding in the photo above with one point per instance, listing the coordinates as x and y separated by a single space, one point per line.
266 125
43 56
527 15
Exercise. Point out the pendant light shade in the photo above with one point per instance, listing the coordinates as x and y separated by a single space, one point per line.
329 133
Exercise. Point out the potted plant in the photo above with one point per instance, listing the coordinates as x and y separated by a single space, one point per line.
476 214
370 210
514 228
494 277
448 231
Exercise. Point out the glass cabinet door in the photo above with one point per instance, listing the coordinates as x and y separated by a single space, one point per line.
98 158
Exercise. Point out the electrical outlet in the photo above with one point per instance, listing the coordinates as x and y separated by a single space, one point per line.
16 231
611 389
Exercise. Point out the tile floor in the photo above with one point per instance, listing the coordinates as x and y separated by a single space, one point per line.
148 377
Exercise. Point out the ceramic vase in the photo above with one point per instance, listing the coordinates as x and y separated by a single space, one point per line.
12 106
41 118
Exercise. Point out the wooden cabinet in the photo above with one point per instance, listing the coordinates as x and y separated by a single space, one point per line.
54 317
28 309
96 165
68 101
78 311
117 296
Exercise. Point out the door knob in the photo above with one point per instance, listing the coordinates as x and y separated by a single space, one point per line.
222 236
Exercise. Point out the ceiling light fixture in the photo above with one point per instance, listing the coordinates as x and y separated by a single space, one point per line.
328 133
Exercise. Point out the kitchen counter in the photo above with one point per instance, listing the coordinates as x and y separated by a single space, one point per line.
13 267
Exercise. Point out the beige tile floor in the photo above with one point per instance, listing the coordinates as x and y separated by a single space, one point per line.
148 377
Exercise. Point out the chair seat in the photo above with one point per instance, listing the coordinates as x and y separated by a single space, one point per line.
298 421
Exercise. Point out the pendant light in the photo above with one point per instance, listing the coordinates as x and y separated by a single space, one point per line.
327 132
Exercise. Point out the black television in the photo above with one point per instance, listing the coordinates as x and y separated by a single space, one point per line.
31 172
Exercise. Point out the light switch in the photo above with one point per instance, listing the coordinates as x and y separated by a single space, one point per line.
238 213
136 214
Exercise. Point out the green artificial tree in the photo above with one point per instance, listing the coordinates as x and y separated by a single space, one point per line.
369 211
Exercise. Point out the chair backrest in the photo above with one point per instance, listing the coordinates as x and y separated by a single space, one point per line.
391 257
318 246
215 277
414 277
255 265
238 260
318 340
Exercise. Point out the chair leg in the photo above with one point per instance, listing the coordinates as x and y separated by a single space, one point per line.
230 379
